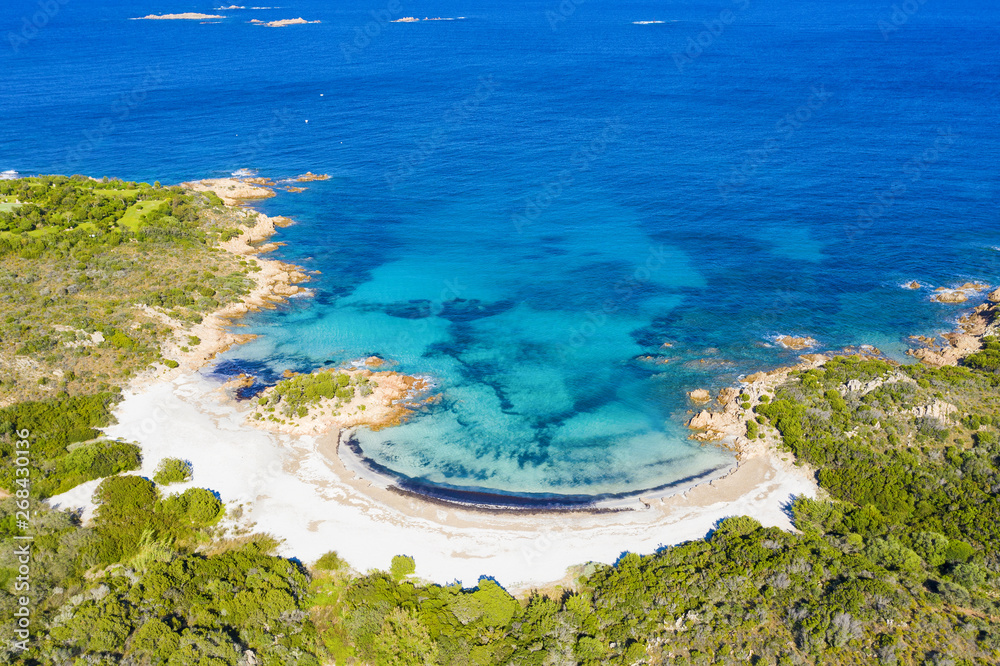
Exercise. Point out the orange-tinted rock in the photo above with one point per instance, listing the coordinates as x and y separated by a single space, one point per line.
797 344
699 395
727 395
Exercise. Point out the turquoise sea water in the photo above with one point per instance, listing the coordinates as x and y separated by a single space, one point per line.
526 200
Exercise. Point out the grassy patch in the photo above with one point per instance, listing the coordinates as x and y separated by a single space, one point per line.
132 218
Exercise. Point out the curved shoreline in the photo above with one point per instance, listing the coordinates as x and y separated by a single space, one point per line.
492 501
299 490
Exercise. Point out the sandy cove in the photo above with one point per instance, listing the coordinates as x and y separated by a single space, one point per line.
316 496
304 490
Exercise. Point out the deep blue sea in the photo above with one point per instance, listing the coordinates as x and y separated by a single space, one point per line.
525 200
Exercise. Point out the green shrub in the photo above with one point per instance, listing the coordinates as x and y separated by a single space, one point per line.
199 506
330 561
958 551
172 470
402 566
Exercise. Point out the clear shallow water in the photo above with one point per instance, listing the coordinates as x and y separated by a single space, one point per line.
520 211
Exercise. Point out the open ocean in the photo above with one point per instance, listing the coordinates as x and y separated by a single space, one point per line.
525 200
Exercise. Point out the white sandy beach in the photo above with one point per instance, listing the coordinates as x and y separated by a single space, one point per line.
298 489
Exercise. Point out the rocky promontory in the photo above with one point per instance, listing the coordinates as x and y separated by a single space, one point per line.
344 397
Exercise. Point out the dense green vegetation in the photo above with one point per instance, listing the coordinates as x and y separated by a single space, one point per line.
988 358
747 594
294 396
900 565
62 456
79 258
106 212
914 474
159 603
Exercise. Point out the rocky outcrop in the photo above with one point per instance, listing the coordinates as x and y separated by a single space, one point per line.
282 23
940 410
912 285
705 419
727 395
654 359
714 426
709 435
309 176
729 425
965 340
232 191
798 344
958 294
864 388
244 186
699 395
950 296
994 296
188 16
389 398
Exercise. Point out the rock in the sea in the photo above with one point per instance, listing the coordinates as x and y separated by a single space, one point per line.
649 358
943 295
912 285
309 176
789 342
958 294
699 395
994 296
243 381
